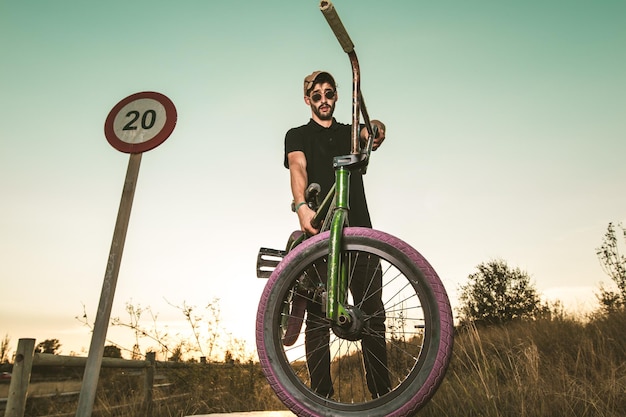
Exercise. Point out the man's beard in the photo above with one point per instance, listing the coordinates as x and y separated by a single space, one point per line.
324 116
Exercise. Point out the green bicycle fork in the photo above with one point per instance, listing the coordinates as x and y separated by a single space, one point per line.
337 285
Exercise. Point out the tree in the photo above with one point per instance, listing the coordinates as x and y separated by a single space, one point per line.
497 294
112 351
614 265
49 346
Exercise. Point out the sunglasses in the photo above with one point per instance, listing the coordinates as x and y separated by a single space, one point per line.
329 94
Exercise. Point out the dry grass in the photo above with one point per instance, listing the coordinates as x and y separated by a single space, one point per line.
557 367
197 389
531 369
43 388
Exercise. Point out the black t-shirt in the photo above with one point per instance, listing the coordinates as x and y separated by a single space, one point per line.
320 145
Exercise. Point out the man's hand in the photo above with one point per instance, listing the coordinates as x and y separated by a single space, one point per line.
305 215
378 140
380 136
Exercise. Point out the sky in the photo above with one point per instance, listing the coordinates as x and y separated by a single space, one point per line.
506 134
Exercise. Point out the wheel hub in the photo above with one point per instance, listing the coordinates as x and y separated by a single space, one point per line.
351 327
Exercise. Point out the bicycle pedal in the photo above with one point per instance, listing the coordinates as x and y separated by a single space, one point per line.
267 260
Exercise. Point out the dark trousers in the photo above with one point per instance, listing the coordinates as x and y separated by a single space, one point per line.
366 289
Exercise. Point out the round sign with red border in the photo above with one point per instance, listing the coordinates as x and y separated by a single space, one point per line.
140 122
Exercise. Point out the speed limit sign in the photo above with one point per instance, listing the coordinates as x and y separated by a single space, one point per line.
140 122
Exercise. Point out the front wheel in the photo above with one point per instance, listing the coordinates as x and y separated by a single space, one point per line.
391 356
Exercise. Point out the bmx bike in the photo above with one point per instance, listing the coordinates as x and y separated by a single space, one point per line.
383 310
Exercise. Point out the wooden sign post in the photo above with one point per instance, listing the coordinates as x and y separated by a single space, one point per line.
137 124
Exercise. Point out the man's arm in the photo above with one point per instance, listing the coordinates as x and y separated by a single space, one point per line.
299 182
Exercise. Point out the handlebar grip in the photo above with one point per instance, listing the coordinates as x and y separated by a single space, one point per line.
329 12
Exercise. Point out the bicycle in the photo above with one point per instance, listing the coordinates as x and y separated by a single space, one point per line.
411 319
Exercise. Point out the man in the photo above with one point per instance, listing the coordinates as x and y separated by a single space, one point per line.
309 153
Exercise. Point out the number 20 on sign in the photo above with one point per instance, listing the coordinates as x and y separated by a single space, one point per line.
140 122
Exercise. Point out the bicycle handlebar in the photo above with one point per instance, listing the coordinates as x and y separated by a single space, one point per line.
329 12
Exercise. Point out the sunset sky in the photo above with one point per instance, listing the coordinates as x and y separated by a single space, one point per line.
506 140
